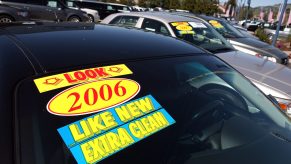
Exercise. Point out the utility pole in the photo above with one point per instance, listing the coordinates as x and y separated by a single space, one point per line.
279 23
247 14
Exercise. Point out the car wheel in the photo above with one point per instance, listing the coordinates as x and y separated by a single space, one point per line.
91 18
6 19
74 19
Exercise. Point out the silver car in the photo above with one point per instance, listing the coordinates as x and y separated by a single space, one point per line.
272 78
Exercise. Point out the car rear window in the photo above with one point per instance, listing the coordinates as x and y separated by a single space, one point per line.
151 111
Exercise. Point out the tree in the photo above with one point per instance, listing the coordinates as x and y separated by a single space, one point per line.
143 3
127 2
231 5
242 13
171 4
208 7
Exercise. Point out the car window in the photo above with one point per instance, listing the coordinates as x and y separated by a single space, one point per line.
155 26
129 21
71 4
109 7
54 4
226 29
179 108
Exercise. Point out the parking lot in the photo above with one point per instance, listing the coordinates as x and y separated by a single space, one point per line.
96 82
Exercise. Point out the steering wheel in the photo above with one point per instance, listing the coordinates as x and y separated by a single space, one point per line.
224 100
222 95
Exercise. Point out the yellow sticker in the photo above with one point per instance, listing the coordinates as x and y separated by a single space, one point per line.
184 28
187 32
93 97
49 83
215 24
179 23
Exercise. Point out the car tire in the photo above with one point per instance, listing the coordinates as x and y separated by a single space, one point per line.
91 18
74 19
6 19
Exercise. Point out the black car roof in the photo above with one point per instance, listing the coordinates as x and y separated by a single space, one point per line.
55 46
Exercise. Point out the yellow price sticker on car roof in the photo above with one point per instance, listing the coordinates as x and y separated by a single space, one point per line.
49 83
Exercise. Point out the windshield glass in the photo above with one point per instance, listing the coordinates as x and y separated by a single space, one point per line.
202 35
208 108
225 29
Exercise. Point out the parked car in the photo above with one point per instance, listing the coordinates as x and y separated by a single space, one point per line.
48 10
92 14
246 44
251 25
245 32
104 9
202 34
11 14
124 92
283 34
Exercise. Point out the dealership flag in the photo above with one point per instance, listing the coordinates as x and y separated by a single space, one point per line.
270 17
262 14
289 18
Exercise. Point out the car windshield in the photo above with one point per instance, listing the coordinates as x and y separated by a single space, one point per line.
225 29
202 35
206 106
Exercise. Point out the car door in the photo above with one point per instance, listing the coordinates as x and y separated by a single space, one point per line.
155 26
39 11
128 21
35 7
55 10
100 7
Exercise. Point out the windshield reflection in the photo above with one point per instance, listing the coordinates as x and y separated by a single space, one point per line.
201 35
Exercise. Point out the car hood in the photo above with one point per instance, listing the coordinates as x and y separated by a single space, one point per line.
250 42
259 46
261 70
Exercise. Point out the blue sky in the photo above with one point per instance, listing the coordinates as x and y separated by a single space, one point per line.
255 3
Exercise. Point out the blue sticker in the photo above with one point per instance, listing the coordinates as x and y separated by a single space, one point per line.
99 136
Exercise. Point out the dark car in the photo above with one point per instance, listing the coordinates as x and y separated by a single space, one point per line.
243 43
107 94
104 9
10 14
48 10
